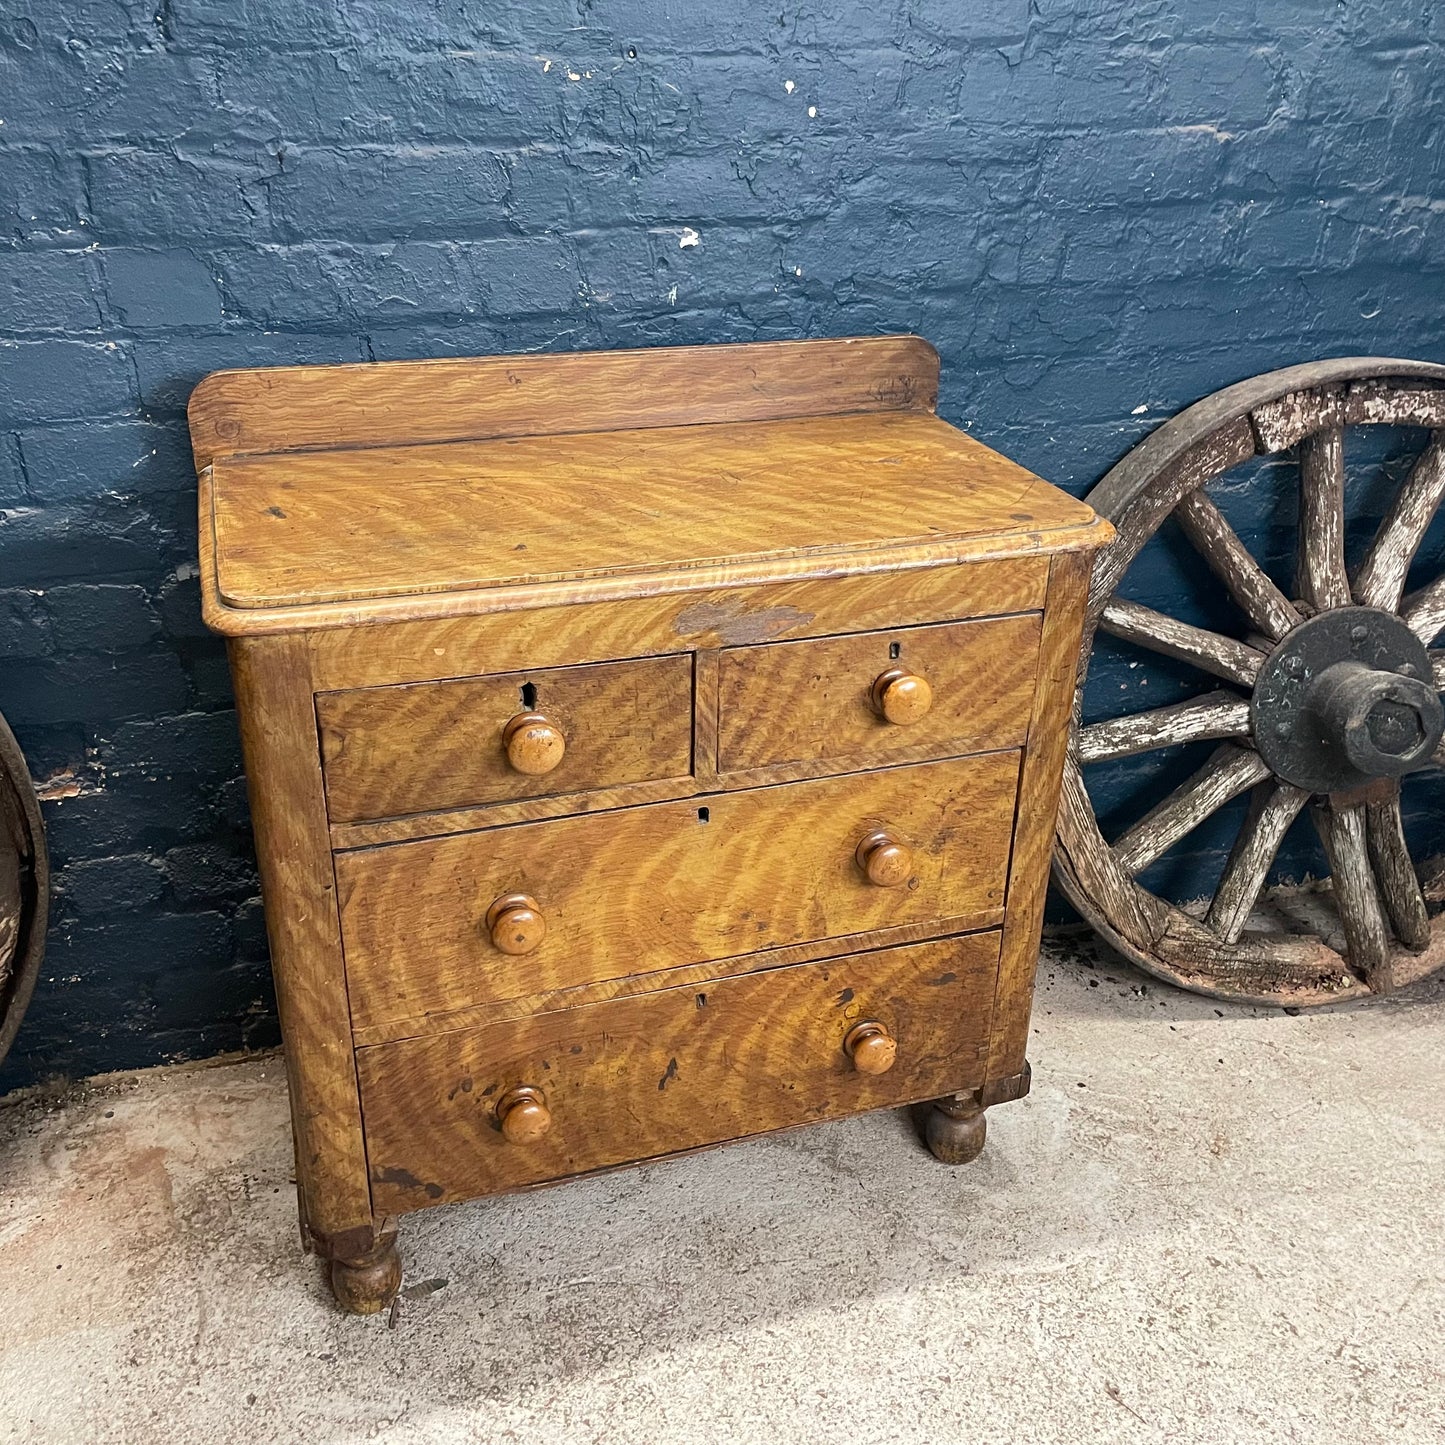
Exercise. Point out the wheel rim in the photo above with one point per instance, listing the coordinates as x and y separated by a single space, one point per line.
1331 662
24 888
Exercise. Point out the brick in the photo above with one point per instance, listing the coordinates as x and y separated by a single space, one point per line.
103 540
53 380
48 291
204 744
181 195
73 460
125 883
82 689
169 370
390 193
169 287
24 625
60 93
100 617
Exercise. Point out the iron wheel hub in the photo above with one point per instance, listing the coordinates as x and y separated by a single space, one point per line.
1345 699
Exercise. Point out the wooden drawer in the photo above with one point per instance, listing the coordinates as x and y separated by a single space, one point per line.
815 700
432 745
673 1070
647 888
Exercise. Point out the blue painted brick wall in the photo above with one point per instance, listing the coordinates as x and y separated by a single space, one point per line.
1098 212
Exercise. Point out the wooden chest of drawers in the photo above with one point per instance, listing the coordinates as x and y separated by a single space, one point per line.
646 749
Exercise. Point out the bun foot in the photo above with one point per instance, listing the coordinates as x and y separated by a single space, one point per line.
367 1284
955 1130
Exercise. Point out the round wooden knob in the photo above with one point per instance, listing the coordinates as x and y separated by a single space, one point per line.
901 696
524 1115
516 923
871 1047
534 743
885 860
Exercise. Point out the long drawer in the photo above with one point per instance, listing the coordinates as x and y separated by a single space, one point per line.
434 926
673 1070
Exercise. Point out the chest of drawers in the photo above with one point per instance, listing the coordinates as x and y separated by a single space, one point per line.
646 749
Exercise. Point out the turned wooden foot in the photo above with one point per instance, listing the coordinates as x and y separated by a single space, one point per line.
365 1283
955 1130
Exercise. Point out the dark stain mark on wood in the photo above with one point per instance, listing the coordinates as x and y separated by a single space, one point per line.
943 978
668 1075
275 511
736 626
845 997
407 1180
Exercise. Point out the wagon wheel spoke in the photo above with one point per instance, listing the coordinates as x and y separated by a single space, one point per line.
1214 653
1218 715
1424 611
1395 871
1272 808
1321 578
1343 832
1381 578
1226 775
1218 543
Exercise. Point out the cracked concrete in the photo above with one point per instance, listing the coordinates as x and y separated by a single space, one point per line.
1206 1224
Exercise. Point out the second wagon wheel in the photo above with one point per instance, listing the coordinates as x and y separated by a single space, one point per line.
24 887
1321 698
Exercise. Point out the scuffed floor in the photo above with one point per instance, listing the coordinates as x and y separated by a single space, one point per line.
1206 1224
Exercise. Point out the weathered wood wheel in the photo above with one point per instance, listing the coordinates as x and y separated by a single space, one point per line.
24 887
1326 700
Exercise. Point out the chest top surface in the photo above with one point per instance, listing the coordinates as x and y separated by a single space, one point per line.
334 494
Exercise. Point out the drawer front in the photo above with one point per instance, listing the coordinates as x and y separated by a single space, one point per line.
816 700
640 889
678 1069
422 746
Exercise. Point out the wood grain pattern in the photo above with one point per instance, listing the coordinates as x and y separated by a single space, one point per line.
811 700
673 1070
1157 632
313 528
281 409
556 636
1320 575
1230 771
1247 582
629 986
1038 802
435 745
1217 715
288 814
668 884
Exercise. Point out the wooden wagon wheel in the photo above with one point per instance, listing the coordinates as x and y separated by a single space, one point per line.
1326 700
24 887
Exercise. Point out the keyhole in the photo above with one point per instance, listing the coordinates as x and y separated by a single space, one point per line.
529 696
894 649
703 815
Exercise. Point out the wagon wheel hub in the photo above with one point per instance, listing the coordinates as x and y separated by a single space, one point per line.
1340 702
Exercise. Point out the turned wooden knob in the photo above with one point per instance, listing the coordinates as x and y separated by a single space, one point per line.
516 923
524 1115
534 743
885 860
871 1047
901 696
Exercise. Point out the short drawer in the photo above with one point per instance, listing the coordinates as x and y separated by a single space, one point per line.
510 913
413 748
873 697
634 1078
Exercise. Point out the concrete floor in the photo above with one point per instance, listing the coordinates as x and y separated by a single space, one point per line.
1206 1224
